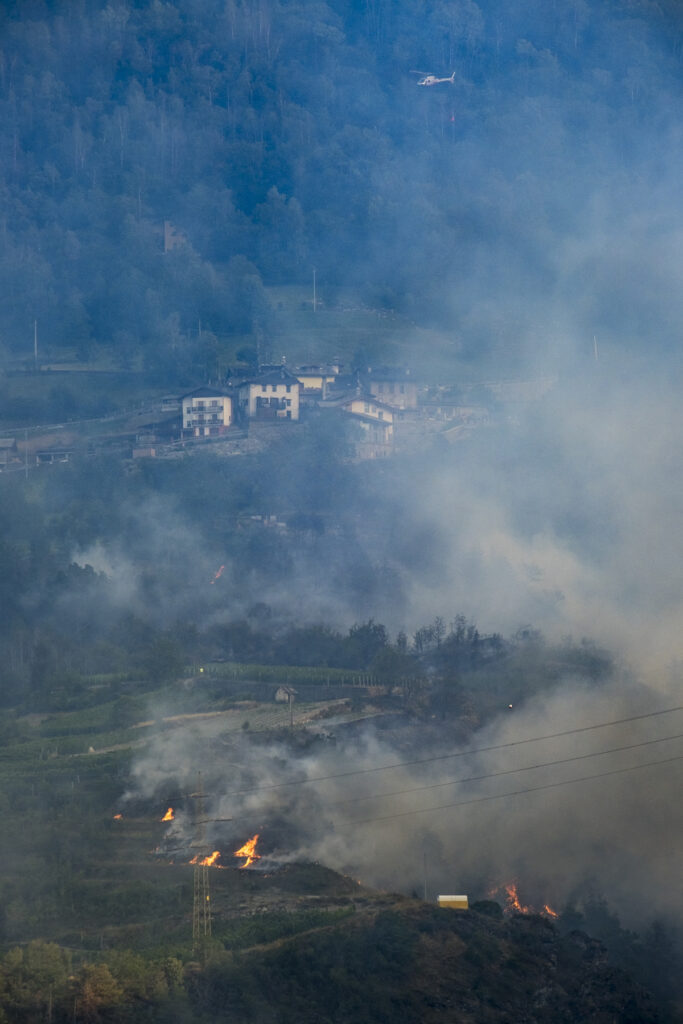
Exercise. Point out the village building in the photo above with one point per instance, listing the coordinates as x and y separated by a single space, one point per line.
157 427
272 395
207 412
394 387
316 379
168 404
374 421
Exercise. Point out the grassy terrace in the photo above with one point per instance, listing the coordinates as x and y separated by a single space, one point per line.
73 874
289 674
131 719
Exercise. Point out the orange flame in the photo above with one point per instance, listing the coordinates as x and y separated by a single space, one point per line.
514 904
207 861
218 574
118 817
248 851
512 899
169 815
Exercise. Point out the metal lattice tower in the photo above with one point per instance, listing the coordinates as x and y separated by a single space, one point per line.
201 910
201 899
201 905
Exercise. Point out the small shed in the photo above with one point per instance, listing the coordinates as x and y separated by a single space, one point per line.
285 694
453 902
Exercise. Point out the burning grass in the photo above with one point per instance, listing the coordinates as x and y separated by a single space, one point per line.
248 851
513 904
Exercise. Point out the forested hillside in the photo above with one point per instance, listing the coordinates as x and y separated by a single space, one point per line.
276 137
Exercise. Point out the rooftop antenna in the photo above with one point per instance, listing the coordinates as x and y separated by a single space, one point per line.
314 291
35 344
595 348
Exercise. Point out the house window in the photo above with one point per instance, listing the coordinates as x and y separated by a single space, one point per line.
381 415
366 407
289 388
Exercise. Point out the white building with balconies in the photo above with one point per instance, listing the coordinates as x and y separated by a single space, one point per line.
207 412
273 395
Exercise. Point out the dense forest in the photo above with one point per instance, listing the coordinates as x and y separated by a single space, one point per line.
413 961
274 137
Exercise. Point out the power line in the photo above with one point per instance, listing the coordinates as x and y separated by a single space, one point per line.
506 771
481 750
490 775
516 792
379 819
460 753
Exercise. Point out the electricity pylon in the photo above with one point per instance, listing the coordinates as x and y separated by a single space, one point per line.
201 905
201 900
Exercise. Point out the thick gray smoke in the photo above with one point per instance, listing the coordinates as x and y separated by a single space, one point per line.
566 515
563 513
424 824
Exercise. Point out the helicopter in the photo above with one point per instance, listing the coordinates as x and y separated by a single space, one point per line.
432 79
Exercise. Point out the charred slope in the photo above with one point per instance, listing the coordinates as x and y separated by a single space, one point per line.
416 963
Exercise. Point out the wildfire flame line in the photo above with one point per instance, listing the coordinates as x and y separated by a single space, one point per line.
514 904
209 861
169 815
513 901
248 851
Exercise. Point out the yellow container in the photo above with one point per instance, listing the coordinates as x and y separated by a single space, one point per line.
453 902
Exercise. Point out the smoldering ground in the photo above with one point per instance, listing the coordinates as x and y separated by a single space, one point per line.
593 811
